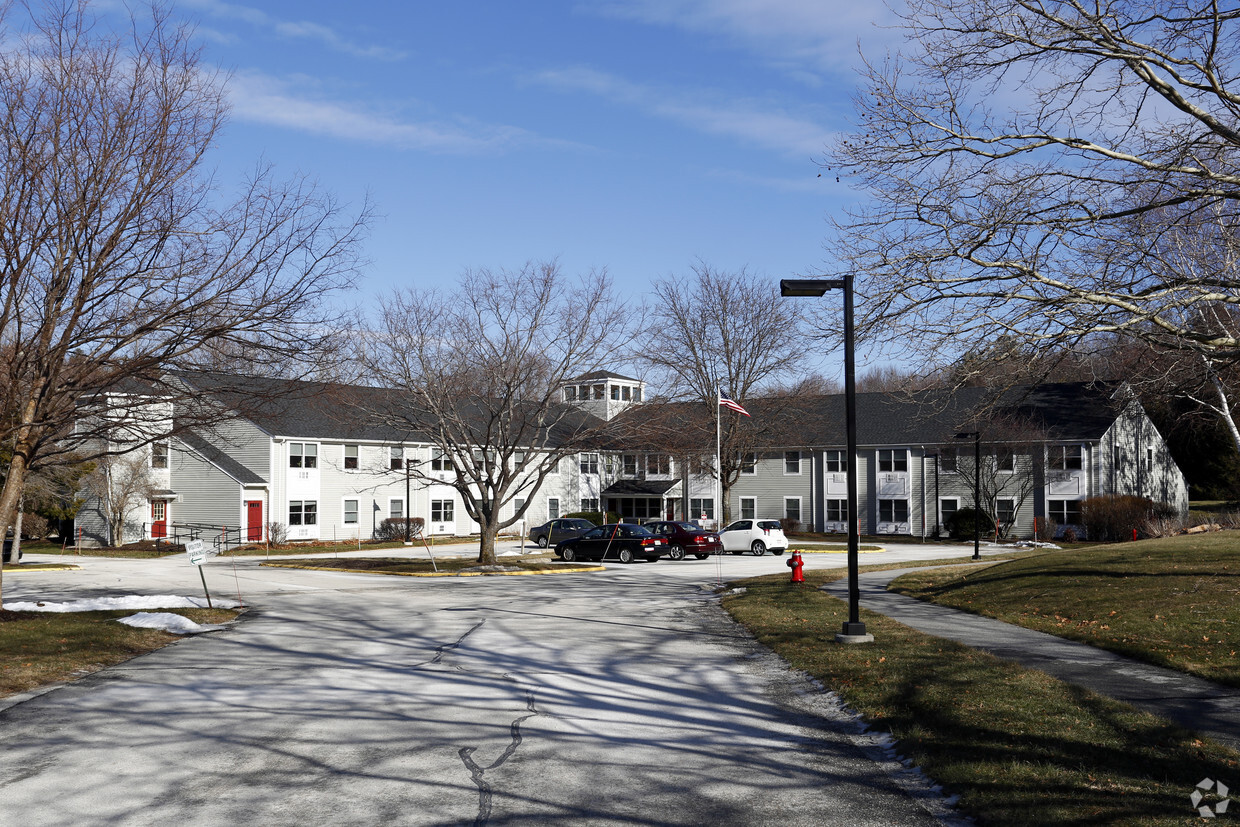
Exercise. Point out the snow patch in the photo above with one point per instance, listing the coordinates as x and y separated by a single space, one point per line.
167 621
132 601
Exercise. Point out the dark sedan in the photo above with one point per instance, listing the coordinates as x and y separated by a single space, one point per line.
552 532
617 541
686 538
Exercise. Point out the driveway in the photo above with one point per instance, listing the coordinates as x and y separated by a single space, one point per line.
616 697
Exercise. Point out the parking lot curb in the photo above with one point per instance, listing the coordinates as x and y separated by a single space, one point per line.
19 569
566 570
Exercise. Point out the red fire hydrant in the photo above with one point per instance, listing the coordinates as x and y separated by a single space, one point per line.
796 564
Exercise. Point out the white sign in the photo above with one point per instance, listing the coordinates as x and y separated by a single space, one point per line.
197 551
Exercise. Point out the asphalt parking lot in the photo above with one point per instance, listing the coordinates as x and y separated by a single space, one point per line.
622 696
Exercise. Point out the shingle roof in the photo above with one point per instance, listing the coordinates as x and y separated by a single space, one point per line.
325 410
220 459
1063 412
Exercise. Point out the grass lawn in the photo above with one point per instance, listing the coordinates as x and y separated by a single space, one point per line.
403 565
1017 746
1172 602
38 648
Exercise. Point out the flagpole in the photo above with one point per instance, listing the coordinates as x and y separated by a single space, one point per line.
718 462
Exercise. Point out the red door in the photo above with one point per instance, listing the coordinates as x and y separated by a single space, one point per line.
254 521
159 519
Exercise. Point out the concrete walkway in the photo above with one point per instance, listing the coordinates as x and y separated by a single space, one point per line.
1196 704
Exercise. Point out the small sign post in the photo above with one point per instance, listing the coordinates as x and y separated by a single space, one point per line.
197 551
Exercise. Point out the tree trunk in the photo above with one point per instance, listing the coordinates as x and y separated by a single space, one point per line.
486 545
1224 408
10 496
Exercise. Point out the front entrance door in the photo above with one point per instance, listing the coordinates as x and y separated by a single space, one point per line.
159 519
254 521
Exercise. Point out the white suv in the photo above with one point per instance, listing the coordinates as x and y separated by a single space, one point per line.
754 535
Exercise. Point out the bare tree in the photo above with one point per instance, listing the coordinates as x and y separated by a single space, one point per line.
120 260
1049 172
482 370
123 484
717 330
1008 467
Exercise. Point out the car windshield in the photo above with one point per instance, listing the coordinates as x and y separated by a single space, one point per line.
579 524
768 525
597 533
687 526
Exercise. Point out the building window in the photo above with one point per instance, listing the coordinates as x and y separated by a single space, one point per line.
749 463
570 393
553 508
792 462
792 508
396 509
396 458
303 455
589 463
589 503
701 508
442 511
1005 460
615 392
948 461
350 456
893 511
583 393
303 512
629 463
1064 512
1065 457
1005 511
598 391
948 507
350 512
658 465
837 511
159 455
892 460
749 508
626 393
517 505
837 462
637 394
440 461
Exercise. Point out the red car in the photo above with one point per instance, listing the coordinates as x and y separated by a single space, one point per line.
685 538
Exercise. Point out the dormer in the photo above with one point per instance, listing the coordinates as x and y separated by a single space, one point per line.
603 393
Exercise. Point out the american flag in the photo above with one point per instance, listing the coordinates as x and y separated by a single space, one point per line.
726 402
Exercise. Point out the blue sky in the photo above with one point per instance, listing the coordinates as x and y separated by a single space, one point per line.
635 135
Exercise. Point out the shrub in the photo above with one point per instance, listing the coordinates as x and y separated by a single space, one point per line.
1045 529
1114 516
1069 535
596 517
277 533
789 525
960 524
34 527
393 528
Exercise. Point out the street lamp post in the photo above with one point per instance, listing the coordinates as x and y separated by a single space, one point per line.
854 630
976 436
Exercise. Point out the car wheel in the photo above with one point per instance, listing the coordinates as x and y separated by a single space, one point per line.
542 541
758 547
701 556
626 556
676 553
568 555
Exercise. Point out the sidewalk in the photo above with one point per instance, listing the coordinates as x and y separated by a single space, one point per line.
1193 703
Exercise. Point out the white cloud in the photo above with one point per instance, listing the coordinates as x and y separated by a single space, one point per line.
748 121
299 29
817 34
259 98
